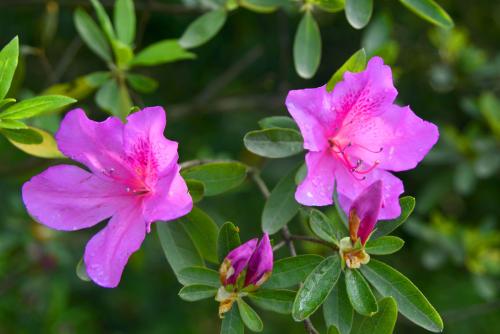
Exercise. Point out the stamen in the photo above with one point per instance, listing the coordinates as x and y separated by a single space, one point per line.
341 152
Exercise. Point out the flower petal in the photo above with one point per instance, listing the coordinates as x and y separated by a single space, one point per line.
108 251
317 187
365 208
260 264
236 261
69 198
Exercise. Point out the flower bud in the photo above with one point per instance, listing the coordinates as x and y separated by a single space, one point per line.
236 261
260 264
364 212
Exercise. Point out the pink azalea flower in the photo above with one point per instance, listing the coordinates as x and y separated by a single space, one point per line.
364 211
133 178
356 135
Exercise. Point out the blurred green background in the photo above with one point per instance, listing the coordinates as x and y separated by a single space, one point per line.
451 78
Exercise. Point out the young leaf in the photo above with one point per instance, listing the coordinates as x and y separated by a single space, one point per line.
337 309
47 148
199 276
279 301
291 271
355 63
217 177
232 323
307 47
411 302
22 136
80 87
81 271
281 206
358 12
36 106
278 122
274 142
316 288
381 323
162 52
7 101
360 294
322 226
124 18
107 96
196 189
12 124
92 35
331 6
104 20
203 29
142 83
227 240
384 245
385 227
8 63
250 318
430 11
192 293
203 231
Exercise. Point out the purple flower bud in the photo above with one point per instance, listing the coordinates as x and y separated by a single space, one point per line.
364 212
260 264
236 261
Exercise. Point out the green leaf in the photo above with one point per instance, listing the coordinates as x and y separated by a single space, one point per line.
196 190
316 288
337 309
5 102
355 63
178 247
227 240
46 148
330 6
411 302
8 63
360 294
162 52
36 106
218 177
307 47
123 54
203 231
107 95
291 271
279 301
104 20
340 212
80 87
358 12
384 245
250 318
274 142
381 323
430 11
81 271
278 122
22 136
323 227
301 174
385 227
142 83
281 206
232 323
199 276
12 124
124 18
203 29
192 293
92 35
333 330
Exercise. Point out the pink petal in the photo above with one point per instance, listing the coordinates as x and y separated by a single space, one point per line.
108 251
238 259
366 208
69 198
317 187
311 109
261 262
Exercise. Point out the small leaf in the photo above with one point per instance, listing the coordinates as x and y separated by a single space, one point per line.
47 148
192 293
107 96
316 288
430 11
340 212
360 294
22 136
232 323
5 102
8 63
203 231
12 124
278 122
124 18
162 52
385 227
196 190
36 106
250 318
411 302
337 309
279 301
92 35
355 63
81 271
203 29
307 47
381 323
384 245
218 177
281 206
291 271
199 276
227 240
80 87
358 12
330 6
104 20
323 227
274 142
142 83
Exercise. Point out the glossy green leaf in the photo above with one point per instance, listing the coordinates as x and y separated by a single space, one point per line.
278 122
361 296
323 227
307 47
274 142
92 35
203 231
104 20
36 106
142 83
46 148
358 12
411 302
7 101
162 52
281 205
199 276
316 288
12 124
8 63
203 29
196 189
81 271
340 212
331 6
355 63
385 227
22 136
227 240
218 177
384 245
232 323
291 271
279 301
124 19
381 323
430 11
250 318
337 309
192 293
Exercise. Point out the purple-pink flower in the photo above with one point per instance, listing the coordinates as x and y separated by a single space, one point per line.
364 212
133 178
356 135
